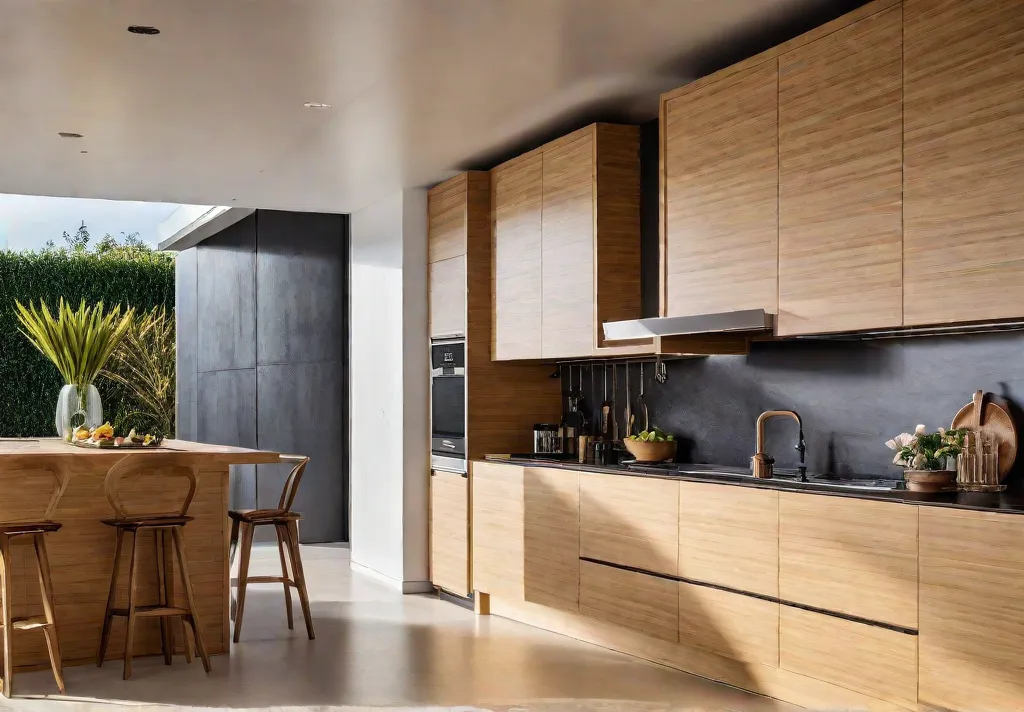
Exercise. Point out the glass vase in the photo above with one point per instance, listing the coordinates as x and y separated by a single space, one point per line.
76 407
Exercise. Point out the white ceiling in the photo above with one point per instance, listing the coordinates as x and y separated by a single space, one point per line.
211 110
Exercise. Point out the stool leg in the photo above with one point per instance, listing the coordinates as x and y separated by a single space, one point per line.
50 631
243 575
190 602
5 591
107 617
167 545
161 587
300 577
233 546
133 580
282 537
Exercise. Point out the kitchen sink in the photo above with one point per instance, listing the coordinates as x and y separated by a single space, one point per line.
785 477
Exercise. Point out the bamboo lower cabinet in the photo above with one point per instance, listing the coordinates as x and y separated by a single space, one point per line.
972 610
449 532
729 624
869 659
641 602
551 537
729 536
498 542
630 521
852 556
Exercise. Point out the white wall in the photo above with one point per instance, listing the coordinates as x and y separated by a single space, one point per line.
389 387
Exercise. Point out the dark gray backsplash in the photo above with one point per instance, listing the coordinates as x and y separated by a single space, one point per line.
852 396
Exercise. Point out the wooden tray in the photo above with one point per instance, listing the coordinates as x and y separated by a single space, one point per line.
132 446
990 414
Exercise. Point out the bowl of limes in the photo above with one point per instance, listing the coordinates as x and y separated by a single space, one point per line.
651 446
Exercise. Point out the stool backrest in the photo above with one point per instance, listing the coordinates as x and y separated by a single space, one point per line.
147 465
20 485
291 485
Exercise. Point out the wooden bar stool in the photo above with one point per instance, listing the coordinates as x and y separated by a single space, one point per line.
285 522
9 532
167 530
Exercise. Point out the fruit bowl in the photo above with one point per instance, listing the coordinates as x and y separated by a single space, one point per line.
651 452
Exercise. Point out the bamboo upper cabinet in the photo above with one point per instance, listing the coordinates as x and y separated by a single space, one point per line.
840 180
963 160
566 243
455 208
720 179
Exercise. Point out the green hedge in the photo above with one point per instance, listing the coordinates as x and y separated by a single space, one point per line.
29 383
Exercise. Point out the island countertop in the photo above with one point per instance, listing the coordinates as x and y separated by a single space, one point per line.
81 554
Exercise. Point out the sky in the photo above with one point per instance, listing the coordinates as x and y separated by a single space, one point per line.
28 221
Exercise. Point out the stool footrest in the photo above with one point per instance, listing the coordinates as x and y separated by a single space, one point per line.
152 611
29 623
269 579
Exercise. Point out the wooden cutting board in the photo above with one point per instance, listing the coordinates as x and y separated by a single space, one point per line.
991 415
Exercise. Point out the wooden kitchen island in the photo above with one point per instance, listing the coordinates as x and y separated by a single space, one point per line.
81 554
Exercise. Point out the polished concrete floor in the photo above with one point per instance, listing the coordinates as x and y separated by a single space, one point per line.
376 648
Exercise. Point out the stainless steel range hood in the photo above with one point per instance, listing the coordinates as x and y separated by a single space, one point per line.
747 320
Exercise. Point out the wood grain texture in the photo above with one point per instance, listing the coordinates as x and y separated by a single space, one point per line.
446 219
517 196
449 532
963 160
551 535
851 556
841 180
721 185
568 246
876 661
728 624
504 399
616 225
447 297
630 521
972 611
498 537
729 536
81 556
644 603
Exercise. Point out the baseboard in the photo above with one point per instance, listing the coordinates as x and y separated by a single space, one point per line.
400 586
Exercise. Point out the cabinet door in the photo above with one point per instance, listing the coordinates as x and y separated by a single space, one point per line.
449 532
517 197
963 119
721 188
632 521
866 658
448 297
498 529
972 610
729 536
841 180
446 219
850 556
728 624
649 604
551 524
568 246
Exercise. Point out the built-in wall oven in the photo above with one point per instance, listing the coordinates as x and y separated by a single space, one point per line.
448 405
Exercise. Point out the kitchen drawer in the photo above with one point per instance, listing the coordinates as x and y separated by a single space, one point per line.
869 659
645 603
852 556
632 521
729 536
551 537
729 624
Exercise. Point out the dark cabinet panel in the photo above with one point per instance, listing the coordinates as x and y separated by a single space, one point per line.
227 298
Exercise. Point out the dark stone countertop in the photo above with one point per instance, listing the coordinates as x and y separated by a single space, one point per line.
1003 502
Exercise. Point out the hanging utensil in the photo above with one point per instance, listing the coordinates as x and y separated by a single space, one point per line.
614 427
641 406
606 407
628 414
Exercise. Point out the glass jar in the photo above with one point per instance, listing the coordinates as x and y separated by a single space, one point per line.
76 407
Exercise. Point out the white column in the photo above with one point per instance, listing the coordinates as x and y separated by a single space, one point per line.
389 390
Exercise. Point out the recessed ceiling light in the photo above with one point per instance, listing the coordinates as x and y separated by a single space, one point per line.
83 151
316 105
143 30
69 134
